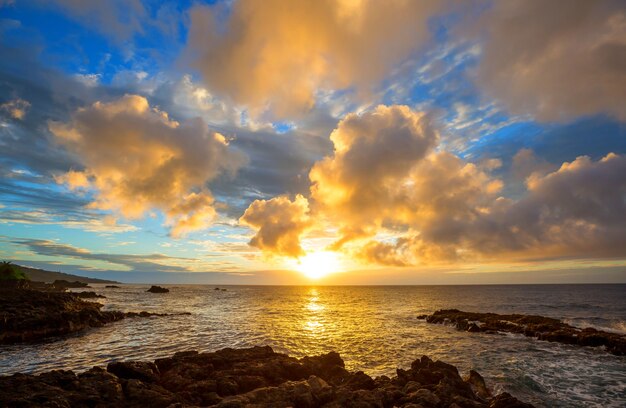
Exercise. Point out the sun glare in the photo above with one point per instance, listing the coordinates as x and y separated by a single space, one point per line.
316 265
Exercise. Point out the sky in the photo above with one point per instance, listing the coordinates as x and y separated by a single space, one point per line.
326 142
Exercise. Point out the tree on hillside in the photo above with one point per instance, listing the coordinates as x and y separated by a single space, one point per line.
8 271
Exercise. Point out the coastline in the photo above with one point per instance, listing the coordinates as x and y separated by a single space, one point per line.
253 377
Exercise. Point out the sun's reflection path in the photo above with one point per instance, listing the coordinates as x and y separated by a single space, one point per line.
314 322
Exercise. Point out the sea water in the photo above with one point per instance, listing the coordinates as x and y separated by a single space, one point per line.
374 328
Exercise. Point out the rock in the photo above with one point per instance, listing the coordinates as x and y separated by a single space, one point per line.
112 287
63 284
253 377
135 370
477 382
89 295
31 315
540 327
506 400
157 289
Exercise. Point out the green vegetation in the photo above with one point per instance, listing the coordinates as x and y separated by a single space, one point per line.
8 271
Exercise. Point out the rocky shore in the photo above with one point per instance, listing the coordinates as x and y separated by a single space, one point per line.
30 315
254 377
540 327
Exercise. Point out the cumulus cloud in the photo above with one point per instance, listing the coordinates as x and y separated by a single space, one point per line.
16 108
280 223
361 184
269 54
138 159
396 198
556 60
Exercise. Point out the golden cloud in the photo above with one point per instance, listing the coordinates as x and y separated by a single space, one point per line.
280 223
396 199
278 55
138 159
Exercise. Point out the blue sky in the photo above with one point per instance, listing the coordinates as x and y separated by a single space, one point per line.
273 93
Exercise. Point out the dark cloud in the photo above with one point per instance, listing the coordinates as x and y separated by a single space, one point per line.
556 60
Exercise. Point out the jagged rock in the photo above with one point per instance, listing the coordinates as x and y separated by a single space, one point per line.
30 315
540 327
63 284
477 382
256 377
157 289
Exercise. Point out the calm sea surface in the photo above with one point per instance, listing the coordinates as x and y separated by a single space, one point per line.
374 329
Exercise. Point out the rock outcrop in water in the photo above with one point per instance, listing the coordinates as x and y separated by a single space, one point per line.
157 289
63 284
29 315
255 377
540 327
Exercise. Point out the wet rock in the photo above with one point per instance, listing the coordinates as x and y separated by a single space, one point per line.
31 315
256 377
157 289
540 327
89 295
477 382
28 315
506 400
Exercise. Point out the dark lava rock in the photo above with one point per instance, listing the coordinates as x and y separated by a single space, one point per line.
63 284
30 315
112 287
27 315
89 295
157 289
540 327
254 377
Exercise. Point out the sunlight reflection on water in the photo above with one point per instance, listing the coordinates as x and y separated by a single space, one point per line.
373 328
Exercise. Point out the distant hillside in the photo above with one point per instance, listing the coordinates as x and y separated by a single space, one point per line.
40 275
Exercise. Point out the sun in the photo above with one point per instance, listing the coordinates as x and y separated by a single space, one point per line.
316 265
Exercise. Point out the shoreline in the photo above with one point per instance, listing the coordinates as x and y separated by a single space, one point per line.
539 327
257 376
32 314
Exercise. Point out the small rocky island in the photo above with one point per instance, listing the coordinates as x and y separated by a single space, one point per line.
540 327
254 377
157 289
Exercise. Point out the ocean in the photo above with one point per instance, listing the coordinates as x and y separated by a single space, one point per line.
374 328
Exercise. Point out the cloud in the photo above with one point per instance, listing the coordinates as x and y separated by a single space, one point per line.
397 198
119 18
138 159
361 184
272 55
87 222
16 108
279 223
135 263
556 60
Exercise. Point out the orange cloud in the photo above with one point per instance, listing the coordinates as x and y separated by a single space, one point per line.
277 55
138 159
396 199
280 223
